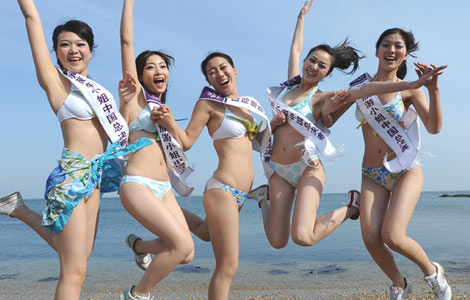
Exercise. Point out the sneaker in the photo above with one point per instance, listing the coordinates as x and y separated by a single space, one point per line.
9 203
142 260
354 201
127 295
438 283
259 194
395 294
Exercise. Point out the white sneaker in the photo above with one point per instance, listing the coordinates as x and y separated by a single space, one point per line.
259 194
354 198
438 283
127 295
395 294
9 203
141 259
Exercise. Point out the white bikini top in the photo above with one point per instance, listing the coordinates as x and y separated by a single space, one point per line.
75 107
231 127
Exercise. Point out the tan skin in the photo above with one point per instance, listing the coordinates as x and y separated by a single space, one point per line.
163 217
75 242
307 229
385 215
235 169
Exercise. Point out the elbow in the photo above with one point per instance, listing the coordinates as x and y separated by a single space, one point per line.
435 129
125 41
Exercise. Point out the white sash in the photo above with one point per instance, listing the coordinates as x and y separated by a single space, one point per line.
179 168
250 103
316 139
405 142
102 102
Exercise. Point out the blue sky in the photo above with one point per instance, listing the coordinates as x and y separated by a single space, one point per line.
257 34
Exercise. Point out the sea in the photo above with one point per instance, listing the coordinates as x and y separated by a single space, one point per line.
441 225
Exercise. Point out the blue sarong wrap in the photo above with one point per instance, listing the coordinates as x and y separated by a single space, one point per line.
76 177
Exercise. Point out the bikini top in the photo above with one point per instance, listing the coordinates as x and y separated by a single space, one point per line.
75 107
395 108
303 107
143 122
235 127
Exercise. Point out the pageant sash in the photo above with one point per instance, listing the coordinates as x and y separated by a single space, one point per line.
405 142
179 168
102 102
251 104
316 139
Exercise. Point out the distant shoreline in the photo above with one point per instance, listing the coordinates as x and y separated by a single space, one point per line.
454 195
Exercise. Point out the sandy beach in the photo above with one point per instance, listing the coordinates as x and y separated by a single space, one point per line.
177 286
337 268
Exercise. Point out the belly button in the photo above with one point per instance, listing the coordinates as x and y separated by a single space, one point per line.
380 151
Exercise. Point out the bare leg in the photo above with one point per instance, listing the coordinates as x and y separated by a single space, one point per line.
374 204
33 220
276 213
74 244
405 195
308 230
197 225
164 218
223 220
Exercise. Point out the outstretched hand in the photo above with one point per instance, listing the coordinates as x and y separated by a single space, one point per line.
305 8
127 87
333 101
162 115
428 75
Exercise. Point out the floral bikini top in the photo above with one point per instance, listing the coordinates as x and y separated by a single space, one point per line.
395 108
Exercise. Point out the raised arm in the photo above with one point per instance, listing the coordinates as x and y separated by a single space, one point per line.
297 42
127 40
199 118
46 73
332 110
430 114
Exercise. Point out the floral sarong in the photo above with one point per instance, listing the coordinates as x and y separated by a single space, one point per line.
75 179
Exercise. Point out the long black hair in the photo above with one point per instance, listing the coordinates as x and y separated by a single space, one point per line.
343 56
410 44
141 60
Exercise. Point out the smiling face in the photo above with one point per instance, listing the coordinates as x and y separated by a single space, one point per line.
391 52
222 76
316 66
73 52
155 75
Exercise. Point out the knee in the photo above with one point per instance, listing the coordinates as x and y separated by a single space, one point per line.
277 242
74 274
188 258
392 239
303 238
184 251
228 268
372 240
